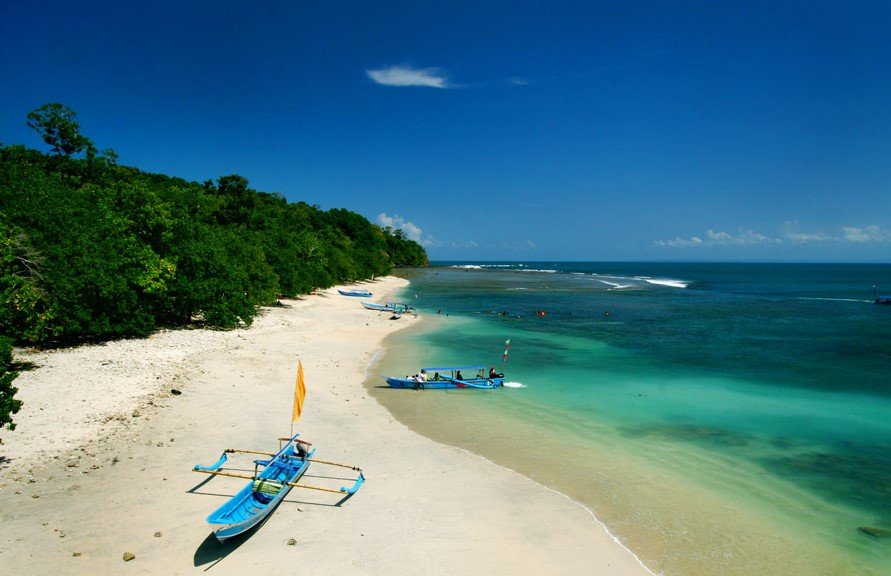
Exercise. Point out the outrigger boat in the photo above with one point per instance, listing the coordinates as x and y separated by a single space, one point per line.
271 481
449 377
359 293
389 307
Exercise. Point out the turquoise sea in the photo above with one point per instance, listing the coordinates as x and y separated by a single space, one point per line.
718 418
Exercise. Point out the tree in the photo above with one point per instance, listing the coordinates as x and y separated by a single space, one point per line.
56 125
8 404
23 313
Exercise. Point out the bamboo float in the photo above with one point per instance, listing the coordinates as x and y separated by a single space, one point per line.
295 440
238 451
246 477
356 468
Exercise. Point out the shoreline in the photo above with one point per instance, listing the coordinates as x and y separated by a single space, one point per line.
129 488
380 356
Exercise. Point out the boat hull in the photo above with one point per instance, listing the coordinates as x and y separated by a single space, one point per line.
446 384
388 307
357 293
250 506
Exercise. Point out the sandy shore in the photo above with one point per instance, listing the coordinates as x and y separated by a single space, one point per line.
100 463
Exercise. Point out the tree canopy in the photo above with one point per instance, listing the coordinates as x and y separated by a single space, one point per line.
56 125
90 249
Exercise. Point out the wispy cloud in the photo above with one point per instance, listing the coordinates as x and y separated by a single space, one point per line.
518 81
397 222
846 234
868 234
746 237
790 233
403 76
411 230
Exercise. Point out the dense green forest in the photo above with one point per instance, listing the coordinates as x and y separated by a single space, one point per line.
90 249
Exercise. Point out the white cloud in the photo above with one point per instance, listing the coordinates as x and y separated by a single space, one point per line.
868 234
679 242
790 233
846 234
403 76
745 237
517 81
397 222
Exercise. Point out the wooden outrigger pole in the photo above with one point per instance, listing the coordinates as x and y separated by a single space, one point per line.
343 490
317 461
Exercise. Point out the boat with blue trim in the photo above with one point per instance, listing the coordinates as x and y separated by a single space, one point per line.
449 377
388 307
272 480
356 293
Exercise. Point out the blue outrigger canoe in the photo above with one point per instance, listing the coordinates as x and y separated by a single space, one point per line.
266 489
359 293
388 307
449 377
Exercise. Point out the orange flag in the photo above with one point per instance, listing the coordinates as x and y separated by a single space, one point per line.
299 393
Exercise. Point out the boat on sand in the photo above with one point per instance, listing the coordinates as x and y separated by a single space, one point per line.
272 480
388 307
356 293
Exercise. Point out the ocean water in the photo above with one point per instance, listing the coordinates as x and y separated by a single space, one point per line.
718 418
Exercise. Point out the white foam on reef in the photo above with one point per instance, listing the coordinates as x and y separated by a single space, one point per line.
539 270
667 282
514 385
835 299
467 266
613 284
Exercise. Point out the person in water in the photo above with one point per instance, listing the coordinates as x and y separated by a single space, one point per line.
420 380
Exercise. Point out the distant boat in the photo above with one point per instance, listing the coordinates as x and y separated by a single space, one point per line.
449 377
880 299
388 307
359 293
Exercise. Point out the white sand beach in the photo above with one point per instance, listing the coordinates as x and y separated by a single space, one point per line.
101 463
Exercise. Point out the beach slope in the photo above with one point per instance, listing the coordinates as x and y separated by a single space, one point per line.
100 464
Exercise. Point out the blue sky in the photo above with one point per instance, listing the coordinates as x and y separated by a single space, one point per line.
692 130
